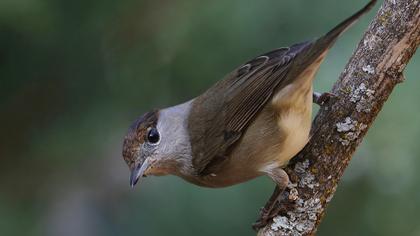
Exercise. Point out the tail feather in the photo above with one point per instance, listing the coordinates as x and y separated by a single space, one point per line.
329 38
316 48
310 52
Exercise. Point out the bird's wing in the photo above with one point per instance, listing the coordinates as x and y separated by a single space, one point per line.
221 115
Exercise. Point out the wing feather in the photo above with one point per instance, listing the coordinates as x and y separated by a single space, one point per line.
221 115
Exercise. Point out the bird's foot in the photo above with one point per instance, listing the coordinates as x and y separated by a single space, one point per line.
281 178
323 98
287 199
270 210
266 214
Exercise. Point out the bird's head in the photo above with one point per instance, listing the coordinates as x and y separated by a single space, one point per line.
140 146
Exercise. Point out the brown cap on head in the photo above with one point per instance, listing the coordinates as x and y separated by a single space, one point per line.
136 136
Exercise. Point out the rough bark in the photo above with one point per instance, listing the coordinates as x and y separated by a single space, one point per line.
373 71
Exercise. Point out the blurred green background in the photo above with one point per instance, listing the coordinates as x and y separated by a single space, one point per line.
74 75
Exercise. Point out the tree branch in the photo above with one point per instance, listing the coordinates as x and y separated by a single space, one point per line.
373 71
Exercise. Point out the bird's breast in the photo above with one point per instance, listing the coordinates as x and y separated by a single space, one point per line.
295 127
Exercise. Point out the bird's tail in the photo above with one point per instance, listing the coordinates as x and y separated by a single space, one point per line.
312 51
329 38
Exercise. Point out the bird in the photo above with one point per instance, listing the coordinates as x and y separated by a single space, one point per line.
249 124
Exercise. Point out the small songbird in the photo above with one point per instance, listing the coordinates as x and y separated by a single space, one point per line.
249 124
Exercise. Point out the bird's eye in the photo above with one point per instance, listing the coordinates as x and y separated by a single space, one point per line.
153 135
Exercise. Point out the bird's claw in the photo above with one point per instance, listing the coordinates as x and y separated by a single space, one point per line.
265 216
323 98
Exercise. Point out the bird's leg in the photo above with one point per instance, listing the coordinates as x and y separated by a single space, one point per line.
322 98
280 177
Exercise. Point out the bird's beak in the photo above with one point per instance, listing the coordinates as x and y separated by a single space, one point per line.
138 172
